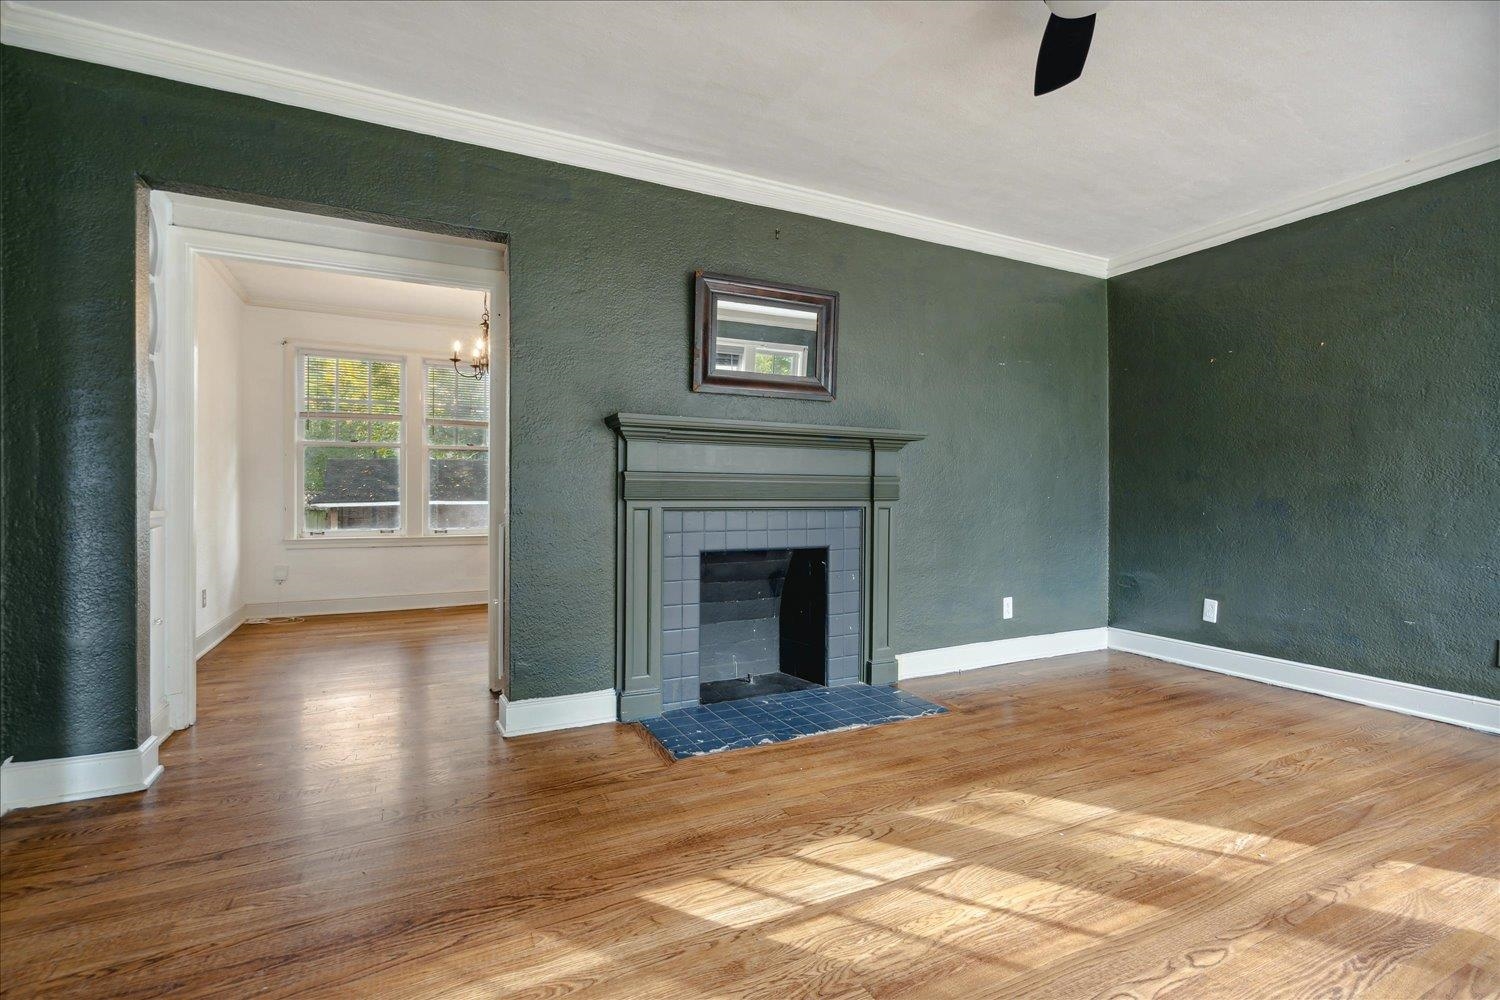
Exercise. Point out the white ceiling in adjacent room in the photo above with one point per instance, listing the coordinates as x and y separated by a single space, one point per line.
1189 115
281 286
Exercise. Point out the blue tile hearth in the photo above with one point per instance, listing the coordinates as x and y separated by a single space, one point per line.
776 718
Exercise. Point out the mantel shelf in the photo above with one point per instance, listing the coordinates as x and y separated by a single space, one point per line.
645 426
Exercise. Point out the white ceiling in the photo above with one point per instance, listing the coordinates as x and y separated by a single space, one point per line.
1191 117
281 286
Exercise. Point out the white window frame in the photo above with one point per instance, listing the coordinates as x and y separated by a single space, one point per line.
412 452
425 474
299 444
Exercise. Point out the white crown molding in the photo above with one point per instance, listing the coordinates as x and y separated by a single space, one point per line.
67 779
976 655
74 38
1470 711
1418 169
358 312
220 267
568 711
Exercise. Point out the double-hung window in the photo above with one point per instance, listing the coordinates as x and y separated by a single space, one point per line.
348 443
456 438
389 445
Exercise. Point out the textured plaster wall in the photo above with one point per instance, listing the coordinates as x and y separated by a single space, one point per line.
1305 424
1001 364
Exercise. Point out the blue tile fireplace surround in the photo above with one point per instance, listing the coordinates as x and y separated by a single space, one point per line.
748 554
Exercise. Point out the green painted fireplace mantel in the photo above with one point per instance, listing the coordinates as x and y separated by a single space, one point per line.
667 463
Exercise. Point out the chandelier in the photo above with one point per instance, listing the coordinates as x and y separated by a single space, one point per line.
478 362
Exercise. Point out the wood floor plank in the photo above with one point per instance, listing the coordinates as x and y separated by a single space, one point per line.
345 821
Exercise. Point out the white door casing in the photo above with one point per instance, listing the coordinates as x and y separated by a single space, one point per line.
182 229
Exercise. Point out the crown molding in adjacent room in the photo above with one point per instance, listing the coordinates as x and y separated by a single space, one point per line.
1416 170
74 38
356 312
219 267
226 274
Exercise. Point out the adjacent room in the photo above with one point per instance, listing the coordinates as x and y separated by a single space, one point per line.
333 397
750 499
318 444
386 441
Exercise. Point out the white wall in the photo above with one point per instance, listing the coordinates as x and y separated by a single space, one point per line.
241 433
217 484
325 575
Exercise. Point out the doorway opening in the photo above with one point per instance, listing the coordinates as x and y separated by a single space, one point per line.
320 439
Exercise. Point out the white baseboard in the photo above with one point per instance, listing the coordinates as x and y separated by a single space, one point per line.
1466 710
218 632
66 779
359 605
975 655
541 715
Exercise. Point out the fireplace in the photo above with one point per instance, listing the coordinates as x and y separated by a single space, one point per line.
763 622
752 558
759 600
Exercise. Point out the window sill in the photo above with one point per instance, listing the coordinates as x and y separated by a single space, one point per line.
385 542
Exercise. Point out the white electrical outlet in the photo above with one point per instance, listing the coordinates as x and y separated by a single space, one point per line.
279 574
1007 608
1210 610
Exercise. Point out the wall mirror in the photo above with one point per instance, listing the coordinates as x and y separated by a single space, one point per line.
759 338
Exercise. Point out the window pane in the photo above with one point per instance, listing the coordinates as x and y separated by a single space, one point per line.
352 431
450 397
351 489
460 484
773 364
769 361
457 434
351 385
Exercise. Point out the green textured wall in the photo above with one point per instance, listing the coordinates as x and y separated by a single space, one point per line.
1305 424
1001 364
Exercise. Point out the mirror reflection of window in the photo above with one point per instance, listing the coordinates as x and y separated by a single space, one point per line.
764 339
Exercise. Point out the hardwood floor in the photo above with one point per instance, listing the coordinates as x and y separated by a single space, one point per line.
345 821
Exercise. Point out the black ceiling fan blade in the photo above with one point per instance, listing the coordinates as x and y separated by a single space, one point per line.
1065 46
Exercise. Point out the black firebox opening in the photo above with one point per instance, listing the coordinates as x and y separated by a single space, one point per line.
763 622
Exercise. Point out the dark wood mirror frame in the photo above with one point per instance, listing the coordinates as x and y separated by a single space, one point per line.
709 289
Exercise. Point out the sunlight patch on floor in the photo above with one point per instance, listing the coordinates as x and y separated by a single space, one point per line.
543 958
765 889
1013 814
